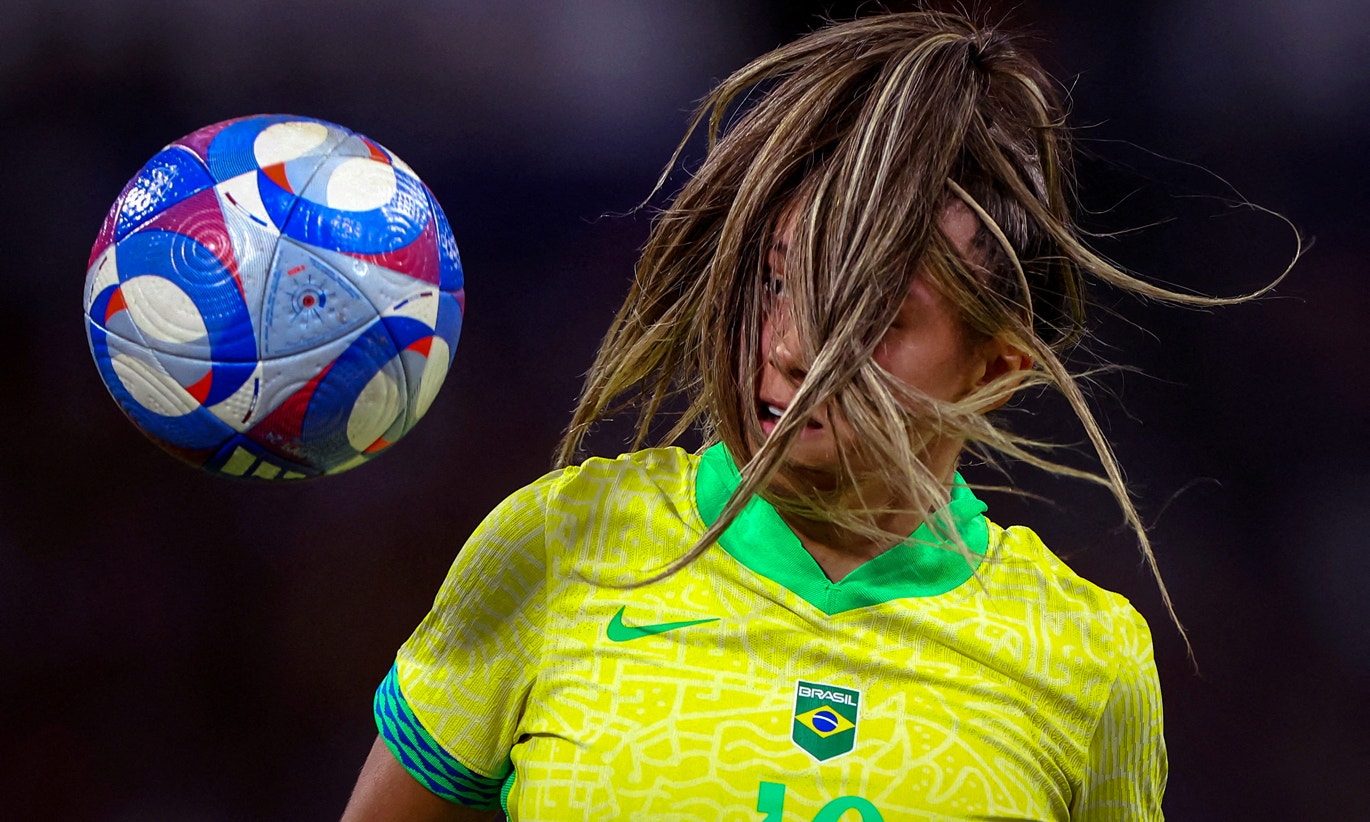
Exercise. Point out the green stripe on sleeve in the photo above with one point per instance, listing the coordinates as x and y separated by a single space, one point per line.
423 757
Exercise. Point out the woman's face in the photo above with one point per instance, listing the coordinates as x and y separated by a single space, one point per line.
926 347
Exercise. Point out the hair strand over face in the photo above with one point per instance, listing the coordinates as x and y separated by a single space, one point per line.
856 138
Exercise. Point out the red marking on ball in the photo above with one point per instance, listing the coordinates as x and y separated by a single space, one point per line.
276 172
200 390
116 304
377 153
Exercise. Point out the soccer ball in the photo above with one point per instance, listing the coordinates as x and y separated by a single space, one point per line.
274 297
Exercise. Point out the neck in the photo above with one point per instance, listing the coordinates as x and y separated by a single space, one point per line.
839 550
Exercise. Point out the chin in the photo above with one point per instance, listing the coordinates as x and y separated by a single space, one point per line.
810 467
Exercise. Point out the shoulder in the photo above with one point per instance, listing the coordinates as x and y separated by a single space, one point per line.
650 474
590 505
650 467
660 470
1107 638
1025 562
624 514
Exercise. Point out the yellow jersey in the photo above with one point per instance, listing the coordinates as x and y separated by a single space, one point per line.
748 686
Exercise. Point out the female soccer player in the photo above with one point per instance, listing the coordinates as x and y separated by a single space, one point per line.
812 619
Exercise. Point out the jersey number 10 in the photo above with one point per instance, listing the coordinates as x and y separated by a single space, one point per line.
770 800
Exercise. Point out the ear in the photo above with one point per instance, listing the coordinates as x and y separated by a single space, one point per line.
1000 358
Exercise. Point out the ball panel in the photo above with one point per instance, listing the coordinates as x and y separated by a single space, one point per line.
163 312
375 410
282 142
308 303
281 377
410 336
228 378
106 314
357 145
168 178
111 324
406 330
359 184
281 428
309 422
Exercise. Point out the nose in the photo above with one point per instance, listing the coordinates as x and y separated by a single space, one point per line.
780 340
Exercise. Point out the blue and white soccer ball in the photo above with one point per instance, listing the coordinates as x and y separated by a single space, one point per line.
274 297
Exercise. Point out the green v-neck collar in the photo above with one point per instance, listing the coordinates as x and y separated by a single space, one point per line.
921 566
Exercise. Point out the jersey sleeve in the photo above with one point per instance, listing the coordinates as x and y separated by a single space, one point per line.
1127 767
449 710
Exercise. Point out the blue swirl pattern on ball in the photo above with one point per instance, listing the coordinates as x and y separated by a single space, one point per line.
274 297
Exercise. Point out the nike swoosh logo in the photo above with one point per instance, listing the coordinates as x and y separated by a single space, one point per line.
618 632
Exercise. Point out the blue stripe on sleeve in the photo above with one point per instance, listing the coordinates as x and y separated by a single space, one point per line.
423 757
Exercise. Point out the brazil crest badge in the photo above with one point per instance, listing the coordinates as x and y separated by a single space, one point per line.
825 719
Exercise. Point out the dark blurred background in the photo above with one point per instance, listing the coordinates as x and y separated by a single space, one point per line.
178 647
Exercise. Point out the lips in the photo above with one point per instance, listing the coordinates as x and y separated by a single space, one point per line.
769 413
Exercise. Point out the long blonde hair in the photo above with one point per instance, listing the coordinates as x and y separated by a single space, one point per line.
860 134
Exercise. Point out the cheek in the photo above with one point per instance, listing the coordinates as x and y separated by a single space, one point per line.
938 364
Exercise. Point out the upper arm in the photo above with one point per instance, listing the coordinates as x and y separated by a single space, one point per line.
449 710
463 676
1127 767
385 791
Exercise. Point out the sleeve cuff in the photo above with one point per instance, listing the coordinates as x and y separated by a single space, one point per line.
423 757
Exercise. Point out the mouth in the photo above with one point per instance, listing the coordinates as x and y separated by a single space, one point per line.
769 415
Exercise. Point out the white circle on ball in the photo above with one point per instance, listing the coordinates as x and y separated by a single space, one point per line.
360 184
162 311
434 372
153 388
375 409
283 142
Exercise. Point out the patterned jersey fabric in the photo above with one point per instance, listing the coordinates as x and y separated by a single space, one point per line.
952 677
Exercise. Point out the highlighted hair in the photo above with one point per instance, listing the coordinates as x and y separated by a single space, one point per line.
860 134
